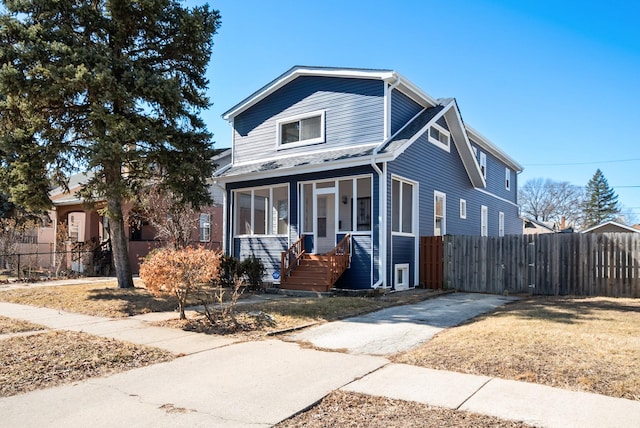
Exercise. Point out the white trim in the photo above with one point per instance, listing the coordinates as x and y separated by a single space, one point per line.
484 142
484 220
500 224
437 194
446 147
299 118
401 267
497 197
463 208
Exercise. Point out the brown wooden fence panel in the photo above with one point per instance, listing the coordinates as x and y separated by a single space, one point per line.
550 264
431 261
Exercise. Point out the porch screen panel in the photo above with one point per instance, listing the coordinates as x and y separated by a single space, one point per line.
345 209
243 212
260 211
307 197
280 211
364 204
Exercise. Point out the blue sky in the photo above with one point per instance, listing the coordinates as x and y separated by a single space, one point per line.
555 84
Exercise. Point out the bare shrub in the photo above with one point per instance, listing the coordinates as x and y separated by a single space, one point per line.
180 272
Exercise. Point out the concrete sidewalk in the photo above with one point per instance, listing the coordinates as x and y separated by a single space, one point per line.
222 383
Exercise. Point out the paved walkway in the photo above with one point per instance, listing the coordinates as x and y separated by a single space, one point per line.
219 382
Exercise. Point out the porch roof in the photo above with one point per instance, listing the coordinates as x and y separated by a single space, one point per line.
331 159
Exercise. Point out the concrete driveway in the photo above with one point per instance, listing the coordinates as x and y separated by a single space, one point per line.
400 328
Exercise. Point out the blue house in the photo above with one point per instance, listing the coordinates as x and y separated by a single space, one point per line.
336 173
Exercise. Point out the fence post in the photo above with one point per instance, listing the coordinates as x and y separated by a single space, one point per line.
531 259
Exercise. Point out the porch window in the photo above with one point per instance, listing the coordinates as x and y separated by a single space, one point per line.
262 211
401 206
355 205
439 214
301 130
205 227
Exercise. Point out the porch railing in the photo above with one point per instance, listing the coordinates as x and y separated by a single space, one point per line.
291 258
339 259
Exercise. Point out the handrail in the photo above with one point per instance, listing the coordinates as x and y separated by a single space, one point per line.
289 259
339 258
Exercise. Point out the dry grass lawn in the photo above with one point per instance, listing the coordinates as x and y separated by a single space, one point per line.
584 344
342 409
92 299
52 358
9 325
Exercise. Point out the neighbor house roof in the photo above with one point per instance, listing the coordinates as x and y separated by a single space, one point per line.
611 227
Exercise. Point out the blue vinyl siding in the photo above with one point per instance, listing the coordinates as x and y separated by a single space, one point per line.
435 169
358 276
403 109
354 114
496 176
403 250
267 249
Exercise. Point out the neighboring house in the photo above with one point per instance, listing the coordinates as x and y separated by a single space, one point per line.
86 228
611 227
322 153
535 227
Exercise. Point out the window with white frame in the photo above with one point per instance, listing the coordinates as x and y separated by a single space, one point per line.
484 221
507 178
439 136
463 208
483 164
401 206
354 210
501 224
261 211
205 227
439 214
300 130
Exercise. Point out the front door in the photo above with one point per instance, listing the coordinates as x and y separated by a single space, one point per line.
325 222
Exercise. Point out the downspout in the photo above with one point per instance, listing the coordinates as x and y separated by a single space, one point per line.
382 182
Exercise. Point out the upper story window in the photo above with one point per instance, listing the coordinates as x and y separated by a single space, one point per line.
463 208
300 130
483 164
501 224
507 178
439 136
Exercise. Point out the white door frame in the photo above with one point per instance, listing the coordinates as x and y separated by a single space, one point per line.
319 192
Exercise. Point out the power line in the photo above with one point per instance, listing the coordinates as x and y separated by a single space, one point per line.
583 163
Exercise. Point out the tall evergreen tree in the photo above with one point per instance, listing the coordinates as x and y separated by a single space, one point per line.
601 202
111 87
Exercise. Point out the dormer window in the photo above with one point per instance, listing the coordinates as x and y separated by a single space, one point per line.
439 136
300 130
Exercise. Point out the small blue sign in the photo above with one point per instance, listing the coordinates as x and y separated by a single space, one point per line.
276 274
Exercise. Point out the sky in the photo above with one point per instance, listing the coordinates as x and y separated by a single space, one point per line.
554 84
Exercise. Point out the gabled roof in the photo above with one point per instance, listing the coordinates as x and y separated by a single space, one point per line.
392 147
611 225
389 76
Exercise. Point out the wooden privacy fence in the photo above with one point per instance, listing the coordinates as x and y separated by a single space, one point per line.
549 264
